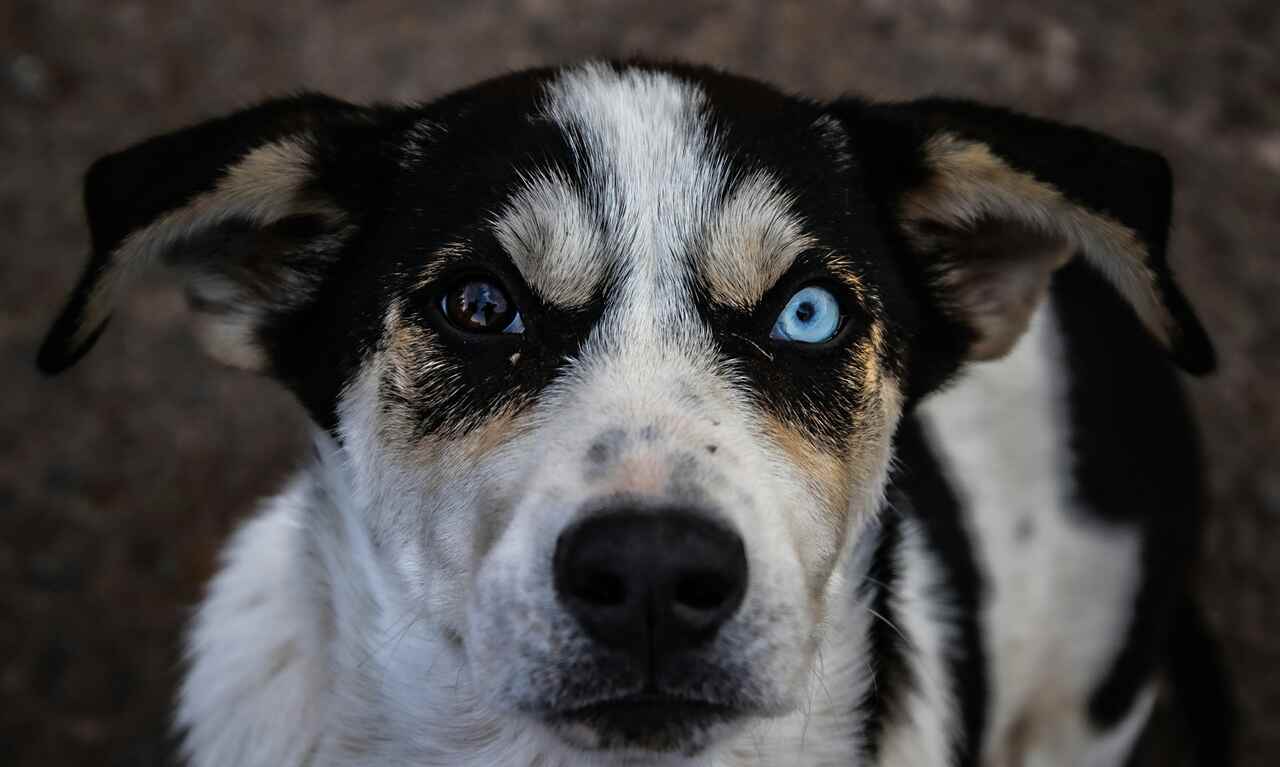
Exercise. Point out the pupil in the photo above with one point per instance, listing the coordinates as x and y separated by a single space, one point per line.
805 312
481 304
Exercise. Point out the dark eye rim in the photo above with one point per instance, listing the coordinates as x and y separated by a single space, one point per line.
454 278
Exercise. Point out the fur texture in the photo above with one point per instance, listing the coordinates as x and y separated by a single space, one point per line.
933 574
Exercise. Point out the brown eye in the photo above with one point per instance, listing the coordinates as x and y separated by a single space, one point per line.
480 306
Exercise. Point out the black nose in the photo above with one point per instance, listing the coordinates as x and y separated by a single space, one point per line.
650 582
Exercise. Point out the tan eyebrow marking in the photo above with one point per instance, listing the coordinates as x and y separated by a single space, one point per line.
551 236
754 239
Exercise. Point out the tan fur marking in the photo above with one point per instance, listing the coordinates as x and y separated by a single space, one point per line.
878 416
875 435
819 531
495 432
640 474
995 276
265 187
822 470
410 356
229 339
755 239
971 184
831 475
864 371
552 238
843 271
439 262
847 484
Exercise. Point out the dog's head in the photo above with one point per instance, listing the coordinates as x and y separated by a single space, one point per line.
615 354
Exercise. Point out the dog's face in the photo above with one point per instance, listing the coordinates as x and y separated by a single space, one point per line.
631 400
614 355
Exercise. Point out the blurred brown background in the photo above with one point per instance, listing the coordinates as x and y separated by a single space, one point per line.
119 480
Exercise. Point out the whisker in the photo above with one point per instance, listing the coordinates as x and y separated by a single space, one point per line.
403 634
920 668
893 626
758 347
393 635
890 589
821 673
457 679
808 713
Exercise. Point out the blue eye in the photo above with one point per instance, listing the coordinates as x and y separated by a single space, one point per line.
812 316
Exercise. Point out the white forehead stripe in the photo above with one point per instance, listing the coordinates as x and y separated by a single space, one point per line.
653 172
656 181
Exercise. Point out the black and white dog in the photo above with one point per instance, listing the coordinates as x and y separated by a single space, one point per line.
663 418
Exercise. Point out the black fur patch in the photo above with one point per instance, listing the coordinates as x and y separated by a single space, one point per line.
1137 463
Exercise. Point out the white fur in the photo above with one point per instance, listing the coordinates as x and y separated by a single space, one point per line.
255 649
395 606
1059 600
654 171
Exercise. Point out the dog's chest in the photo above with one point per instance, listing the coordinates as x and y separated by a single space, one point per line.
1058 585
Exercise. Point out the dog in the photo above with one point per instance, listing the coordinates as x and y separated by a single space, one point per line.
665 418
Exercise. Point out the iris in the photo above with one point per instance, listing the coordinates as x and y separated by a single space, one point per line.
812 316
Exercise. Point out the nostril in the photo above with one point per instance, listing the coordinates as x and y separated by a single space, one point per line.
704 590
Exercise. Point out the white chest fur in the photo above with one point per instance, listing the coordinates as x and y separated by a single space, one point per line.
1060 585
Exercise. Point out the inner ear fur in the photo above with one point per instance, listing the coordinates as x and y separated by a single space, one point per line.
990 274
240 206
991 203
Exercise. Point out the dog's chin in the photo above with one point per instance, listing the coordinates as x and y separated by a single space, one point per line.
645 725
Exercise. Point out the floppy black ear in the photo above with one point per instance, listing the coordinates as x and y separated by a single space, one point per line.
991 203
251 209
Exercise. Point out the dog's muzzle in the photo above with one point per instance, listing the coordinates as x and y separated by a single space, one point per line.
650 588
